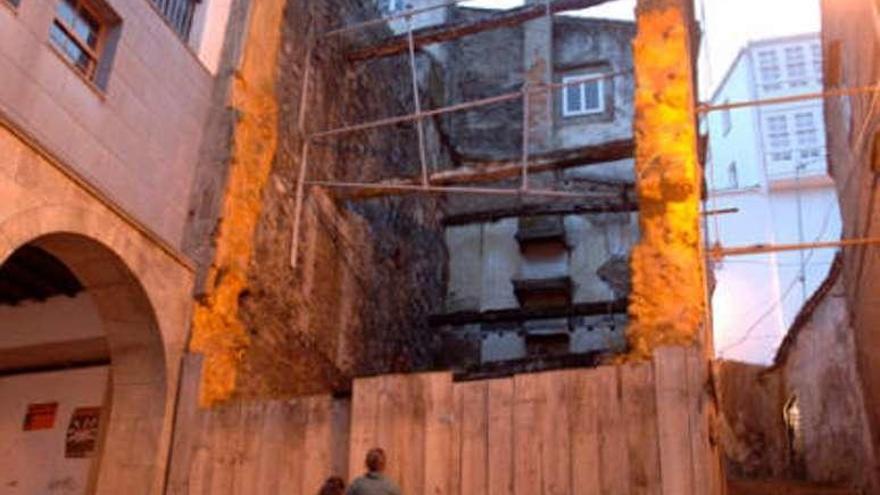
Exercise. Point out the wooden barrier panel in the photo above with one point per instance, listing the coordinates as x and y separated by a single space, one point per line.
273 447
629 429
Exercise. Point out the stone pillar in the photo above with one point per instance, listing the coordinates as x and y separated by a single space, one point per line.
538 70
217 331
668 302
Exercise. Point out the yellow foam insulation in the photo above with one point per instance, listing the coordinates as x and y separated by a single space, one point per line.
217 332
667 306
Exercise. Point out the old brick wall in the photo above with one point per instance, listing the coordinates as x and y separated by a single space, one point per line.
369 272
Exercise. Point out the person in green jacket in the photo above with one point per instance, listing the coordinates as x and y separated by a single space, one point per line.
374 481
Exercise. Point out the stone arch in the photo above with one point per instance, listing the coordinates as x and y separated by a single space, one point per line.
113 262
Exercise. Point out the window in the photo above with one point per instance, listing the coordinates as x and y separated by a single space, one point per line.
76 32
84 33
582 98
778 138
805 129
796 66
392 6
816 52
732 176
178 13
769 70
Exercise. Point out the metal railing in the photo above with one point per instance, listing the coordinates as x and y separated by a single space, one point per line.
178 14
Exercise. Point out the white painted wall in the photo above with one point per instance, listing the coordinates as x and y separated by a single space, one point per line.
33 462
209 31
757 297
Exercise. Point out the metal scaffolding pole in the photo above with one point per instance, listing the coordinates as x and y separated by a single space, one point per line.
304 153
461 190
423 160
719 252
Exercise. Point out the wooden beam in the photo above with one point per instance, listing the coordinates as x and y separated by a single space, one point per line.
446 32
521 314
485 171
486 216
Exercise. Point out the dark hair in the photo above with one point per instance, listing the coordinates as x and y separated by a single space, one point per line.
376 459
333 486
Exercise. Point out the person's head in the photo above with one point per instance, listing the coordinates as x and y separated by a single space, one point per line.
376 460
333 486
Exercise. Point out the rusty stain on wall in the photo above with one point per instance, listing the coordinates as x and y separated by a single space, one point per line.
217 330
667 305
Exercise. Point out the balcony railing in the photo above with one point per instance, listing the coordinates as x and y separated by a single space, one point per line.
178 14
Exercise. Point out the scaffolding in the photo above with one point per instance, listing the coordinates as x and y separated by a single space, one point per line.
455 181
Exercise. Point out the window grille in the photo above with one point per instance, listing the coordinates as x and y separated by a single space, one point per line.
178 14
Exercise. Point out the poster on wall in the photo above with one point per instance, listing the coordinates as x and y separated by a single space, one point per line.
40 416
82 433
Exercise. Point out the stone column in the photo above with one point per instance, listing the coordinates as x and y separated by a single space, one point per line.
668 302
538 70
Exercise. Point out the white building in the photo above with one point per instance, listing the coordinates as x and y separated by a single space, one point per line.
769 163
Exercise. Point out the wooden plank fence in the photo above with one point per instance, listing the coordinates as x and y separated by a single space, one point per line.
640 429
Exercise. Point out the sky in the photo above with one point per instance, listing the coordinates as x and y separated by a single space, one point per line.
728 26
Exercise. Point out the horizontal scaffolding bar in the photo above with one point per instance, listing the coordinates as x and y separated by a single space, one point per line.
447 32
476 172
721 211
719 252
410 188
707 108
513 95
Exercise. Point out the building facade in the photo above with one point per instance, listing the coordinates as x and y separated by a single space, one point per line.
769 163
103 104
536 279
850 34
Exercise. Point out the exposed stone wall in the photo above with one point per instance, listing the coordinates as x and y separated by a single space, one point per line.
498 61
750 423
803 418
850 32
820 374
368 273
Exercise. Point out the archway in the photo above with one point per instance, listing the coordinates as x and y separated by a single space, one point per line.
127 453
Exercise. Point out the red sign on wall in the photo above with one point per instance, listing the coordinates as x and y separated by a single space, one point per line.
82 433
40 416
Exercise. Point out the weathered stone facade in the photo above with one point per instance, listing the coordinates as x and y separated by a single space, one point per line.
368 273
802 418
850 44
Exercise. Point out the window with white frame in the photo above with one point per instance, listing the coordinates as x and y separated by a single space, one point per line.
392 6
778 138
807 135
796 66
583 94
816 51
769 70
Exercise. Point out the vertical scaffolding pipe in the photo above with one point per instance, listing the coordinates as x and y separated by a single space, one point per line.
525 138
416 101
304 154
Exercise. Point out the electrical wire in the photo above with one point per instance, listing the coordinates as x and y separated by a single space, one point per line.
850 175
